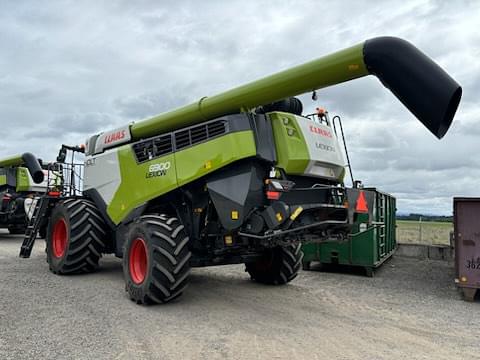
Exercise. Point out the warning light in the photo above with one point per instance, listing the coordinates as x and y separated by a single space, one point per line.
362 206
273 195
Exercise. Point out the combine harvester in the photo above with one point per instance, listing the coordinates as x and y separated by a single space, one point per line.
21 180
240 177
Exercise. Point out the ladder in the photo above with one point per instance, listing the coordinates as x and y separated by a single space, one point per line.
381 218
34 226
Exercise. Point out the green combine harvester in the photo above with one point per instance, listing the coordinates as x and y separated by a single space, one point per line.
239 177
21 179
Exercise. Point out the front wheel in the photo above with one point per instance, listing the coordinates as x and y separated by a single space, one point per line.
276 266
156 259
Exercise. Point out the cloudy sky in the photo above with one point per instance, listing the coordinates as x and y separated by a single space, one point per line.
69 69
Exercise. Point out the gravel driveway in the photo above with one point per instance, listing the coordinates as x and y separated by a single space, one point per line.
409 310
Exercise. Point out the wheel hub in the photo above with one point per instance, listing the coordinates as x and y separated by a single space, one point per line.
59 238
138 261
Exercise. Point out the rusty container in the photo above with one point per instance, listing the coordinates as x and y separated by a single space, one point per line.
466 225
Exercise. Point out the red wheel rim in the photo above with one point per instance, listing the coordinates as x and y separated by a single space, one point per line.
137 261
59 238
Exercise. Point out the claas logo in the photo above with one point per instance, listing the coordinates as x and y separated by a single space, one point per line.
118 135
320 131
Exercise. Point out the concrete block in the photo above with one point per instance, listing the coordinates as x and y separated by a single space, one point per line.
440 252
412 250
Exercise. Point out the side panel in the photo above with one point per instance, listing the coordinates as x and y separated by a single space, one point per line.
102 173
199 160
135 183
305 147
3 180
140 182
292 151
23 179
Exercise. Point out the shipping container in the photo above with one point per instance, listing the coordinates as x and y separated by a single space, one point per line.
368 246
466 227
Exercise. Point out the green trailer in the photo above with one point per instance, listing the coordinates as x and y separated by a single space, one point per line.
369 245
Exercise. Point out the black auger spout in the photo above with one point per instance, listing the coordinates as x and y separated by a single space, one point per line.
418 82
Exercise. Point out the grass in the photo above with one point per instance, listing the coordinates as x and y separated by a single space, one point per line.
436 233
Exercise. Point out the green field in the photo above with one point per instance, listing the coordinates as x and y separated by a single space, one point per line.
425 232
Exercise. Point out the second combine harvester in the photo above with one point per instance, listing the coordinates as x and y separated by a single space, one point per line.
240 177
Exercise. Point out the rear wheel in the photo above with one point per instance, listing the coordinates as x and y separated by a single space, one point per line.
75 237
277 266
156 259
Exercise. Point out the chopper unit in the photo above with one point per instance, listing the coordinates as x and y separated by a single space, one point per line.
21 179
239 177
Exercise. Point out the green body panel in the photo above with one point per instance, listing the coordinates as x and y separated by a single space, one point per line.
292 152
186 165
369 248
14 160
329 70
23 180
136 188
199 160
3 180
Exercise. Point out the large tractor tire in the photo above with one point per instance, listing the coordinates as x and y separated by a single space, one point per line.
156 259
277 266
75 237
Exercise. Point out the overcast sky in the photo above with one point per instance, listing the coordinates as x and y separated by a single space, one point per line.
69 69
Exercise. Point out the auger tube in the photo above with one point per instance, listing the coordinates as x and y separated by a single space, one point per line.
29 161
418 82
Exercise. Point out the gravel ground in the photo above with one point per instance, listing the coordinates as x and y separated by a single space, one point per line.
409 310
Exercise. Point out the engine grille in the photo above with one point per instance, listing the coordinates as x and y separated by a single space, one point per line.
199 133
152 148
161 145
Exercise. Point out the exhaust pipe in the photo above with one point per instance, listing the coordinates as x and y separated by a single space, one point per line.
420 84
30 162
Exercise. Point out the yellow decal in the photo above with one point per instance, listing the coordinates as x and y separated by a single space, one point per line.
228 240
279 217
297 212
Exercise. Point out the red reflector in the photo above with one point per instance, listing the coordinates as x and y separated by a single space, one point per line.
273 195
362 206
54 193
